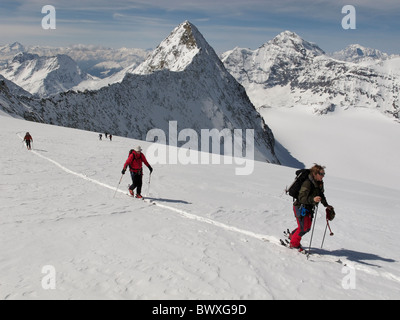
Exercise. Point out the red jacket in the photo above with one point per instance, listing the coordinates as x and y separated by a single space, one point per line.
135 161
28 137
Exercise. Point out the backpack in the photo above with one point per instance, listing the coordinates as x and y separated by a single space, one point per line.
294 189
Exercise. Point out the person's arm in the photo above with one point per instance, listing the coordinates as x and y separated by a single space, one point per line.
146 163
127 163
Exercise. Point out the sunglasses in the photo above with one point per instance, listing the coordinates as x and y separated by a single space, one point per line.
322 174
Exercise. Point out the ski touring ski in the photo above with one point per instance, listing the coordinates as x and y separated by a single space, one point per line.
132 195
287 233
286 243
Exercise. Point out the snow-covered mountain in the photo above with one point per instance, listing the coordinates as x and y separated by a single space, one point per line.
9 51
12 88
11 99
289 71
357 53
198 94
179 50
97 61
44 76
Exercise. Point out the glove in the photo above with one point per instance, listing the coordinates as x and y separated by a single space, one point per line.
123 171
330 213
151 170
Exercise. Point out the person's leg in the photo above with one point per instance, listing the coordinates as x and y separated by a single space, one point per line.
133 185
304 224
139 183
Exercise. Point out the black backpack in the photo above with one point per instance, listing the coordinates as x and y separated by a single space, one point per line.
294 189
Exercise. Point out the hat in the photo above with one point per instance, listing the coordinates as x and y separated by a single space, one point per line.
138 149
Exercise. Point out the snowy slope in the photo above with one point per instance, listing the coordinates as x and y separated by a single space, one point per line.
11 99
389 66
201 239
353 144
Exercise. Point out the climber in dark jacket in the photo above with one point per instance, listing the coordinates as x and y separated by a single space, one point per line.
310 195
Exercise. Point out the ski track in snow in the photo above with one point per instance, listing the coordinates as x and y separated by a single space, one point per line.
267 238
181 212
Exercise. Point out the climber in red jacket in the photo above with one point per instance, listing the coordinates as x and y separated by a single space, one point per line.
28 139
135 162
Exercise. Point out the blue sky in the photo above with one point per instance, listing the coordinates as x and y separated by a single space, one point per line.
224 24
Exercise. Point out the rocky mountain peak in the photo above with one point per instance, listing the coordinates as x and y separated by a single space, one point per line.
177 51
187 37
290 41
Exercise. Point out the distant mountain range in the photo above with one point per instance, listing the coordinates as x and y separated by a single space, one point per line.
357 53
97 61
286 71
184 80
44 76
290 71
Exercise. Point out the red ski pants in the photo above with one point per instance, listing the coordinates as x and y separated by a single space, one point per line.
304 224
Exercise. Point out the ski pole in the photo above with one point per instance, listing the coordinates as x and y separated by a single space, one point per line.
148 188
118 186
327 222
312 233
323 239
331 233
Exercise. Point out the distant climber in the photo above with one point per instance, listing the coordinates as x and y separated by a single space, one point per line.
28 140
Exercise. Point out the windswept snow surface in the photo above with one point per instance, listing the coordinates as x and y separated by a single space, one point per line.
356 143
202 233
